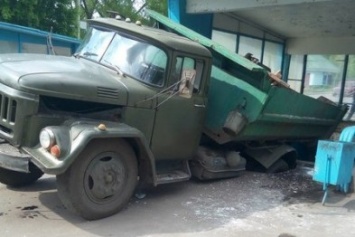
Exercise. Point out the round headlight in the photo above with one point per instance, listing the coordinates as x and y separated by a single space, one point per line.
46 138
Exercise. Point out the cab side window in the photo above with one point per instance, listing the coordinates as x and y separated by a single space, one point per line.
187 64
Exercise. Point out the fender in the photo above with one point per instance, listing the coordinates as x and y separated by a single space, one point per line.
73 136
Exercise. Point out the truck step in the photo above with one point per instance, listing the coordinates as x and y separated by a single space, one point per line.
172 177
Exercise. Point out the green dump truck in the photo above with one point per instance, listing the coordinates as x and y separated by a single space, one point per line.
138 106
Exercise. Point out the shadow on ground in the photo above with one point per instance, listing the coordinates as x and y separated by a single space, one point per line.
194 206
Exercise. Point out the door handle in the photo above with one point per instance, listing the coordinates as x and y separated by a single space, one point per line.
199 106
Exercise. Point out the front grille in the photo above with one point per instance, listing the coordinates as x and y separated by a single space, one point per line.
7 109
15 107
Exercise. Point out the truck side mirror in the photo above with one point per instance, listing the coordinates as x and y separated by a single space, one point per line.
187 82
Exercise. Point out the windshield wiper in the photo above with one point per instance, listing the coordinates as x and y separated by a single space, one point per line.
117 68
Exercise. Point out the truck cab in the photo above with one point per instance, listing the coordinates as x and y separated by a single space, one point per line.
127 108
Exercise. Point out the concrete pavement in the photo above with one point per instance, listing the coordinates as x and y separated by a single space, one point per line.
254 204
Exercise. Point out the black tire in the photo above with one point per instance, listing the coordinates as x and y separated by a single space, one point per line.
279 166
101 180
19 179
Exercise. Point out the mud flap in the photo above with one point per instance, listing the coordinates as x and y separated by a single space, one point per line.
270 155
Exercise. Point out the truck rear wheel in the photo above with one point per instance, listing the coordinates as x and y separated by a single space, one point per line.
20 179
101 180
279 166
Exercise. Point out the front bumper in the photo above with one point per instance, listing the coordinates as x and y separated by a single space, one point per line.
12 159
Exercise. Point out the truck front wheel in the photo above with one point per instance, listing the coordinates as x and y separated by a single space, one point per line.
101 180
20 179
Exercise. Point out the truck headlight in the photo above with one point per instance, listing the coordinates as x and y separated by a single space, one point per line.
46 138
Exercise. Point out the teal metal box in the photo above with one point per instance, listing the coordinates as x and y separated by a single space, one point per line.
334 163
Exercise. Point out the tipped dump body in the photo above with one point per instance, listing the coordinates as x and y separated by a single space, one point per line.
242 96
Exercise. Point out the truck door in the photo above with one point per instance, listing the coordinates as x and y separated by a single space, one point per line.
180 113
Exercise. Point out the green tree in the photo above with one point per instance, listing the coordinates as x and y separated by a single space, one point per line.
160 6
351 67
127 8
41 14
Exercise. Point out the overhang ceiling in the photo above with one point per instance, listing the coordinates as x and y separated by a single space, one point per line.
287 18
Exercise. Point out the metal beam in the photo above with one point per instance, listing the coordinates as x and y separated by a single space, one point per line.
208 6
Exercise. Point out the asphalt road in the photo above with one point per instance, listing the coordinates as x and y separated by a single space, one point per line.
254 204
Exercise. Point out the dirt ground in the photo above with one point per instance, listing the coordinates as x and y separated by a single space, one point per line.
254 204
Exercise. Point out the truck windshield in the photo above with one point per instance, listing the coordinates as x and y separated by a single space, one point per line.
140 60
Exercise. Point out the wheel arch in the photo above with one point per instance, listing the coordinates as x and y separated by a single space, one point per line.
75 136
146 166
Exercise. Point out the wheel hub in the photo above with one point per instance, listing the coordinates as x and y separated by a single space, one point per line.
104 177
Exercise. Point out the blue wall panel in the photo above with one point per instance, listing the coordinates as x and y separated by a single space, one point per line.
201 23
21 34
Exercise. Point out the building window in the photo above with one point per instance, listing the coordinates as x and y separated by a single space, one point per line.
64 51
8 47
323 75
273 56
349 88
295 72
34 48
228 40
250 45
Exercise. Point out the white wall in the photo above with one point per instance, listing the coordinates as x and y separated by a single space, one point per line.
339 45
229 23
336 45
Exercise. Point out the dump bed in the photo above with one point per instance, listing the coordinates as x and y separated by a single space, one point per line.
244 103
267 113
